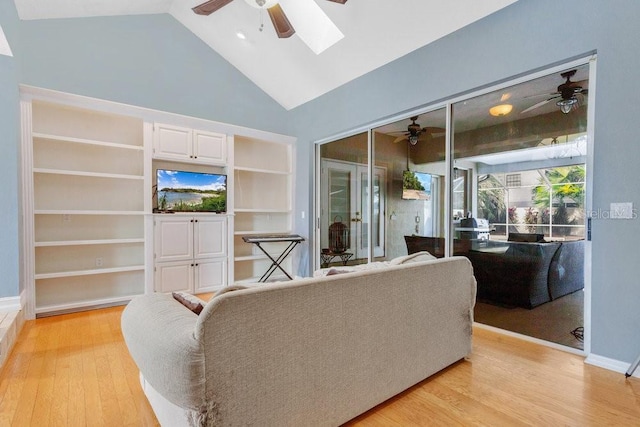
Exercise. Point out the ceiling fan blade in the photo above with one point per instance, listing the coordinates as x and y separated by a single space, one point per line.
401 138
207 8
432 130
534 106
541 94
339 1
280 22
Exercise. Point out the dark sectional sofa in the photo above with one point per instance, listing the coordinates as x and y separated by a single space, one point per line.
516 273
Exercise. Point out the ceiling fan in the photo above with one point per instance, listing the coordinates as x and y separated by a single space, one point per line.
280 21
414 131
566 94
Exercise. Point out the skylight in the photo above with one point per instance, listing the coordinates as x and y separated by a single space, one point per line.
4 45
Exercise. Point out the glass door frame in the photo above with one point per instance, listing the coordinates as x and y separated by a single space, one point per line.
590 59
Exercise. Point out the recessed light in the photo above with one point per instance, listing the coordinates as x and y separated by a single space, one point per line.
241 35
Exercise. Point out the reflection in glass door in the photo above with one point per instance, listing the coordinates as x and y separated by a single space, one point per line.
345 200
518 203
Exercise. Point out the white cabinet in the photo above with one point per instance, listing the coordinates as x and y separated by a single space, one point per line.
263 178
190 252
188 145
84 205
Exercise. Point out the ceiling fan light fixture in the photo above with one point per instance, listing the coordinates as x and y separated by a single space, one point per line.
566 104
413 139
500 110
261 4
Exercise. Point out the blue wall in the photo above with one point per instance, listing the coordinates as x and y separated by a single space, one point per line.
151 61
524 37
9 143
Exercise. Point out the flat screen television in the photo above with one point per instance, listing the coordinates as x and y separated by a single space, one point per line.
182 191
416 185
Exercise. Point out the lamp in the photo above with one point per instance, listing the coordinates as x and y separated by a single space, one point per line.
500 110
413 139
567 104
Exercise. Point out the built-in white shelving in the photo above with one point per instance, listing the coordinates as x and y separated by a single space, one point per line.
87 242
263 177
91 237
87 178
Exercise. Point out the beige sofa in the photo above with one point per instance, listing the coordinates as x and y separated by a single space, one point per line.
316 351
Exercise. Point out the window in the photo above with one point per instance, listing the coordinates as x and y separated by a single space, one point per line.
514 180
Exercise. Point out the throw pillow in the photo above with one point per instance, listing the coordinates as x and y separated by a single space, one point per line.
193 303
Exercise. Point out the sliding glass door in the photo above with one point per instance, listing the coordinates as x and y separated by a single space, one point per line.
499 177
518 203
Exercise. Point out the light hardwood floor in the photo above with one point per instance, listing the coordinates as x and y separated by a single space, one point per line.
74 370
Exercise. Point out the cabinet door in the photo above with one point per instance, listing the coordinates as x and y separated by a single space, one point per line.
174 276
210 236
210 274
209 147
173 238
172 142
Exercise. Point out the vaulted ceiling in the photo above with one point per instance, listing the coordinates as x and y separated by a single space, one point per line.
375 32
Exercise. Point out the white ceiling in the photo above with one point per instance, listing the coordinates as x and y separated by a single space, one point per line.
376 32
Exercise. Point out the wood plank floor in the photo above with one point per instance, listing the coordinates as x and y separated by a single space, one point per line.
74 370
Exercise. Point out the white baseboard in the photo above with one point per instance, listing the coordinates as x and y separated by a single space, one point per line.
610 364
10 304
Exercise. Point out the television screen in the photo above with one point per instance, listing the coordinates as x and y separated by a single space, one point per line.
181 191
416 186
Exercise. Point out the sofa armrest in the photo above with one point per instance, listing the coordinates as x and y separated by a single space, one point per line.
159 333
566 273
